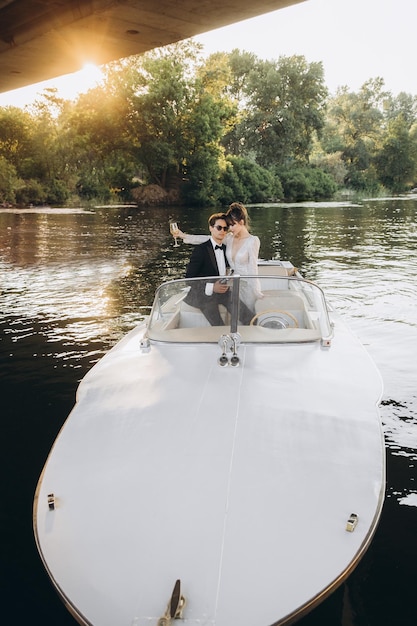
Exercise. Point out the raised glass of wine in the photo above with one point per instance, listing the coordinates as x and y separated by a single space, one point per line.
173 227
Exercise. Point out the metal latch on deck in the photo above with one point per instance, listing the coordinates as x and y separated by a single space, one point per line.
352 522
175 606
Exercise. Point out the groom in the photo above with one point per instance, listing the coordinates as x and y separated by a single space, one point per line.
209 259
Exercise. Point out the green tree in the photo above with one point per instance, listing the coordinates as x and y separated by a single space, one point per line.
178 113
16 136
332 163
159 96
31 192
248 182
353 128
285 108
405 105
43 163
9 181
240 65
306 183
30 140
396 162
94 144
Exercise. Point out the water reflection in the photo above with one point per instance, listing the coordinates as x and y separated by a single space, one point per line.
86 277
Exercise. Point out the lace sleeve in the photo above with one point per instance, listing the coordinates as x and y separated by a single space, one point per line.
255 244
195 239
253 255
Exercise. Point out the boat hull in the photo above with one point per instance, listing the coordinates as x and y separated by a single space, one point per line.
238 481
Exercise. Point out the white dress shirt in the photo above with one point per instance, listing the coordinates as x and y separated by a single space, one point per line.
221 265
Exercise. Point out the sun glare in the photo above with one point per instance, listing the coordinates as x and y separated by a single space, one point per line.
68 87
91 75
72 85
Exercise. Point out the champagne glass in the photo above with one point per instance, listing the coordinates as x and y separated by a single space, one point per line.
173 227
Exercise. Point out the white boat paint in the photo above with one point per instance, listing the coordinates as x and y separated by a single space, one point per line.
239 481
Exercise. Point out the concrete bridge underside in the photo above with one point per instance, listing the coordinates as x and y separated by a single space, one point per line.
42 39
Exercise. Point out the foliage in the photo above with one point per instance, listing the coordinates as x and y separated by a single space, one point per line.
396 161
285 107
31 192
332 163
306 183
209 131
15 135
89 187
57 192
9 181
360 127
245 181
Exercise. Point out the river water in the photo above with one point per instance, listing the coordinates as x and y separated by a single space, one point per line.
73 281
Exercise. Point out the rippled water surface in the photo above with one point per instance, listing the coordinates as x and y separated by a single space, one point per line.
73 281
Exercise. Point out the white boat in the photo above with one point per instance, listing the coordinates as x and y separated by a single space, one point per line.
222 476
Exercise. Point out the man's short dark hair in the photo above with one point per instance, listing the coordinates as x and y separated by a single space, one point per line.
218 216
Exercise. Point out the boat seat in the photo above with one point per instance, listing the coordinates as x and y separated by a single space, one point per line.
275 300
275 276
192 317
269 269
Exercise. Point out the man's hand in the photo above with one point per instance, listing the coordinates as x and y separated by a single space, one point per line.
220 287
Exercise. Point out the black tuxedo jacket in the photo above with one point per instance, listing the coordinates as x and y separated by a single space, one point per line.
203 261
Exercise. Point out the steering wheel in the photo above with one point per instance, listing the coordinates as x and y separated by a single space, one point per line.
274 318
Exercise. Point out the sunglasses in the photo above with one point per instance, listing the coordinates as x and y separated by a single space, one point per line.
225 228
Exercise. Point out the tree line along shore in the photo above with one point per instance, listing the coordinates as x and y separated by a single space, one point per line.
175 127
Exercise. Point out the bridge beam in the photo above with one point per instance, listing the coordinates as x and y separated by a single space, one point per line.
43 39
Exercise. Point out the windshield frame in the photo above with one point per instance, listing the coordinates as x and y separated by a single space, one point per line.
284 299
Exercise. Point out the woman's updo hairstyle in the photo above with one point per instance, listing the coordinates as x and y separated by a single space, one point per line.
238 212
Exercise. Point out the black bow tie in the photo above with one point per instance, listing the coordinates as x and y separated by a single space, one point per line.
219 247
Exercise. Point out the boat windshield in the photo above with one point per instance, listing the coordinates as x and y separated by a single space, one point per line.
271 308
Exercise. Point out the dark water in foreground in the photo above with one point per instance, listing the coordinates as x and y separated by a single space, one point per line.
72 282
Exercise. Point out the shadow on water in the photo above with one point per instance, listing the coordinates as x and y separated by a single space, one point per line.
34 405
73 282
